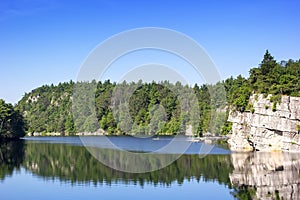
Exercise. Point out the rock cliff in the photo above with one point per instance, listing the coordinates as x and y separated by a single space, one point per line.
266 126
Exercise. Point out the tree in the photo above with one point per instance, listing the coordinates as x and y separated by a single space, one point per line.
91 124
12 124
69 125
267 64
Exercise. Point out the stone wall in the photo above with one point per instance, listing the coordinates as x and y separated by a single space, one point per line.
264 128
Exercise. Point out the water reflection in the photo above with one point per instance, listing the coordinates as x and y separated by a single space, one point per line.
266 176
76 165
11 157
252 176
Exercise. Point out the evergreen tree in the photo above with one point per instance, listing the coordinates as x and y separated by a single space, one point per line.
12 125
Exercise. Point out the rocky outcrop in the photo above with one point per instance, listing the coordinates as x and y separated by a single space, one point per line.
267 175
267 126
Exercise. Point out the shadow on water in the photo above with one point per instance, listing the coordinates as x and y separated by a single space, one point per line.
251 176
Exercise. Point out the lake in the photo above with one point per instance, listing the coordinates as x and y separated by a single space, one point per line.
69 168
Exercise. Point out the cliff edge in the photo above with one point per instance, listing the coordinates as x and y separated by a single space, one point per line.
267 126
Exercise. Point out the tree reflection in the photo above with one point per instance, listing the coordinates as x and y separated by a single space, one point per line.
11 157
76 165
252 176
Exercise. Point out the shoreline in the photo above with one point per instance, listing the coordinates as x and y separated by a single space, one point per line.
223 137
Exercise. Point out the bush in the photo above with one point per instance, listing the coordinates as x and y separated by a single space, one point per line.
266 107
276 98
226 128
274 106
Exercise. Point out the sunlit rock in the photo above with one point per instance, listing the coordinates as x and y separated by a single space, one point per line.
269 127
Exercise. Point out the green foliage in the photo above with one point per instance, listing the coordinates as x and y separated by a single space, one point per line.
250 108
117 109
274 106
276 98
273 78
127 107
226 129
238 92
266 107
12 125
277 197
244 192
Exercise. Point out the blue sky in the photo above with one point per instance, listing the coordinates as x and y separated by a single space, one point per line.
46 41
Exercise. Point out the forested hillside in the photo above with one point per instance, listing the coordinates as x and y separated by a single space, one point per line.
49 108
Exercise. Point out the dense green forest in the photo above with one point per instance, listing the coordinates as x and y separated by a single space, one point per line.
12 124
49 108
155 108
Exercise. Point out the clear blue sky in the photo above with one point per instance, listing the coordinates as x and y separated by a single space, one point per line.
46 41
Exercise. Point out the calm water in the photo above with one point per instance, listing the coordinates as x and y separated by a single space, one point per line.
62 168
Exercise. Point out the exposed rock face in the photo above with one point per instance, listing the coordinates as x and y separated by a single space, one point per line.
269 175
266 128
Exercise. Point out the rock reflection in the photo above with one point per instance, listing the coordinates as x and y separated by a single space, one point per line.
266 175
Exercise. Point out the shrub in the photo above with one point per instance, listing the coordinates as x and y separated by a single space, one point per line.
276 98
266 107
274 106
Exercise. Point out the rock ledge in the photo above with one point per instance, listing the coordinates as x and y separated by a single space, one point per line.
266 128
